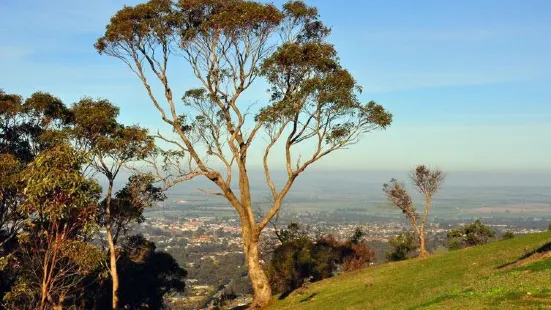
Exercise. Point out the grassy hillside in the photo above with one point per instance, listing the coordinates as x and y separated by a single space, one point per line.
507 274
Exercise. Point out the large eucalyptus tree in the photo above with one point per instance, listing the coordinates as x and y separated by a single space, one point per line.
229 45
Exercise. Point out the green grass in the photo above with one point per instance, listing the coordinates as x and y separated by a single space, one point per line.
492 276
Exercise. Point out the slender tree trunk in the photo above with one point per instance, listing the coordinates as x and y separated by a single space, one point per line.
259 280
422 248
44 286
43 297
111 244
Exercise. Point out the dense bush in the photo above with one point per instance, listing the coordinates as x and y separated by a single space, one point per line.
404 246
508 235
470 235
300 259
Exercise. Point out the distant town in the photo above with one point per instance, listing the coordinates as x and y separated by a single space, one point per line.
208 246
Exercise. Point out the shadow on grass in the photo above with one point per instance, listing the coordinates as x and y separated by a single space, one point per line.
521 299
308 298
543 249
437 300
442 298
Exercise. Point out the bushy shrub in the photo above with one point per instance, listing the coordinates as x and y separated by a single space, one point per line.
470 235
508 235
300 259
404 246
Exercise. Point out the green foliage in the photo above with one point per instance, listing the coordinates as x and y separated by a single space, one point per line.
129 203
403 246
508 235
10 194
85 256
320 85
357 236
470 235
297 261
31 125
27 127
55 186
94 118
59 205
109 143
49 208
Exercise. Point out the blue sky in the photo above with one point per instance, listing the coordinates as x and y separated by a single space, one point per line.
468 82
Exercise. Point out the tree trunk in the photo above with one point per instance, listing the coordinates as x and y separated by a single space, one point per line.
259 280
422 248
113 268
44 292
112 252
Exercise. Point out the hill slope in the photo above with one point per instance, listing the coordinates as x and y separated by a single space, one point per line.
508 274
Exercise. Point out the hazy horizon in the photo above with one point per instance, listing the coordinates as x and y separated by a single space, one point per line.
467 82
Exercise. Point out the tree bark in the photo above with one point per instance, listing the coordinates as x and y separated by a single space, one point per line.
111 244
259 280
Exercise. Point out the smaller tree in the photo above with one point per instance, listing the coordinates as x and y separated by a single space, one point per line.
403 246
470 235
427 182
111 146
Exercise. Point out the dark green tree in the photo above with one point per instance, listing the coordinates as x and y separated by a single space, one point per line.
31 125
508 235
403 246
229 45
27 127
300 258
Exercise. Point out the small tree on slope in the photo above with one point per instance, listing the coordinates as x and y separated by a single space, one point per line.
427 182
